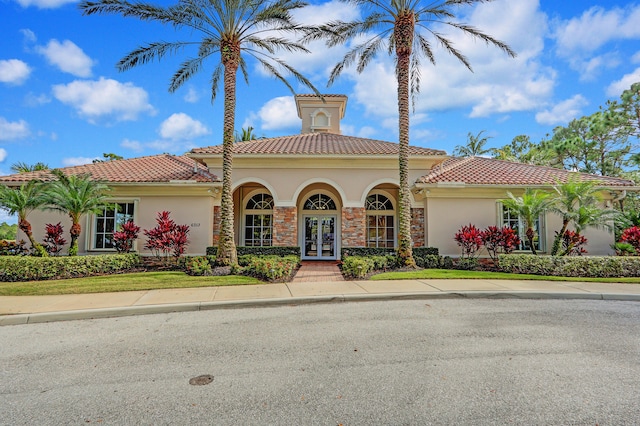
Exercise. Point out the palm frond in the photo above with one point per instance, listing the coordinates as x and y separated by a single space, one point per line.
150 52
187 69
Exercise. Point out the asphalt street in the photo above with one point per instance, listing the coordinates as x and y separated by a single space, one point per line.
440 362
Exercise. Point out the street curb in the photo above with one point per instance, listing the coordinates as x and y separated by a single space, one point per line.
35 318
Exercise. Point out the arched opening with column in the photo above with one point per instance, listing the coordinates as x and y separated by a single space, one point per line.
253 212
381 219
319 207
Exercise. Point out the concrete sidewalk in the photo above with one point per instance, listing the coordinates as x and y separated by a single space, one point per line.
35 309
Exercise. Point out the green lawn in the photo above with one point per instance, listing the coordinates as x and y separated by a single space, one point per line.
121 282
457 274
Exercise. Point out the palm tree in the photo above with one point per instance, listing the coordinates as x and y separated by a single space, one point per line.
21 167
474 147
402 28
75 195
529 207
22 201
246 134
228 28
571 197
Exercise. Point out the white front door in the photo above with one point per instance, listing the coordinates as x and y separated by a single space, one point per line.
319 237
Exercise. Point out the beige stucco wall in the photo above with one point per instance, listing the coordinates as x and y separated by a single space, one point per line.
195 211
446 214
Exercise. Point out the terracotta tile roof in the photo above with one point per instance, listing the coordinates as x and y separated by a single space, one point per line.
312 95
151 169
317 144
489 171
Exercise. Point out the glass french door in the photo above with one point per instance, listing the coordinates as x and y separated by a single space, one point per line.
319 237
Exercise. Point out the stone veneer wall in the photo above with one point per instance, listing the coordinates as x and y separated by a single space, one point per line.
354 227
216 225
417 227
285 226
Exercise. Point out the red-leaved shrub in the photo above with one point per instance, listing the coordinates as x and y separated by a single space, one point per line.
632 236
469 238
499 240
124 238
167 237
53 240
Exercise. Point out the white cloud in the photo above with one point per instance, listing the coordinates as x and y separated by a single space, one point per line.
28 35
104 97
499 84
78 161
68 57
132 145
180 126
33 100
14 71
579 38
563 112
13 130
192 96
3 155
635 59
44 4
616 88
279 113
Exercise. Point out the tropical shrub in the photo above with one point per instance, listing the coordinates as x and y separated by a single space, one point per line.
572 244
167 237
269 268
124 238
430 261
13 248
357 266
53 240
571 266
499 240
624 249
28 268
632 236
198 265
469 238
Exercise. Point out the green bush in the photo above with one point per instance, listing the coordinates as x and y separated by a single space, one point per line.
269 268
430 261
260 251
574 266
198 266
467 263
383 251
357 266
28 268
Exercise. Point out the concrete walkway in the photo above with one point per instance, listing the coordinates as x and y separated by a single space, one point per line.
34 309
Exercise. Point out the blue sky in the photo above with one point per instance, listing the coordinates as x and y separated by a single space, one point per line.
62 101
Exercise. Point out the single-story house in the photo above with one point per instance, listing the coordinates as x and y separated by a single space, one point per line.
319 190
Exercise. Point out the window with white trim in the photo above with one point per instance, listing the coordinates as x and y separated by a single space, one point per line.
258 220
380 221
515 222
111 219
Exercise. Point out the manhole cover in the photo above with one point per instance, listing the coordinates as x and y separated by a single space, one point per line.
205 379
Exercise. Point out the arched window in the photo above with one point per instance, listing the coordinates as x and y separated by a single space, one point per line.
380 221
258 228
319 202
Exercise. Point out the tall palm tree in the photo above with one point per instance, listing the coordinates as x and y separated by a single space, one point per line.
22 201
529 207
403 28
227 28
75 195
475 146
571 197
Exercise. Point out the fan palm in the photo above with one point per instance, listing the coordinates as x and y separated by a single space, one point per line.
403 28
227 28
529 207
75 195
22 201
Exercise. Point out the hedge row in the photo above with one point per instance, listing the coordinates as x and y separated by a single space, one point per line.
27 268
382 251
261 251
571 266
269 268
360 266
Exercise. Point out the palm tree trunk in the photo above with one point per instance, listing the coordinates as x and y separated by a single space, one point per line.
227 254
404 30
558 240
75 233
25 227
531 235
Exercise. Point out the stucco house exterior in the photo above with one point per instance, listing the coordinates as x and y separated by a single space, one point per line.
319 190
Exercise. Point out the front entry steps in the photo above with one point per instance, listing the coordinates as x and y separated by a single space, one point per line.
318 270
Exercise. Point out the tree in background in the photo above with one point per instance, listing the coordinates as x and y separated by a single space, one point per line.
474 147
21 167
108 156
246 135
75 195
227 28
8 232
405 29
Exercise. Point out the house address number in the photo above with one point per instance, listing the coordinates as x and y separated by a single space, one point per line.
195 225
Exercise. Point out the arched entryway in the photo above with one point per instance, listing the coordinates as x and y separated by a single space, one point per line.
320 225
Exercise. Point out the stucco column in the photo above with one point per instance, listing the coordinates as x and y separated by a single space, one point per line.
417 227
354 227
285 226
